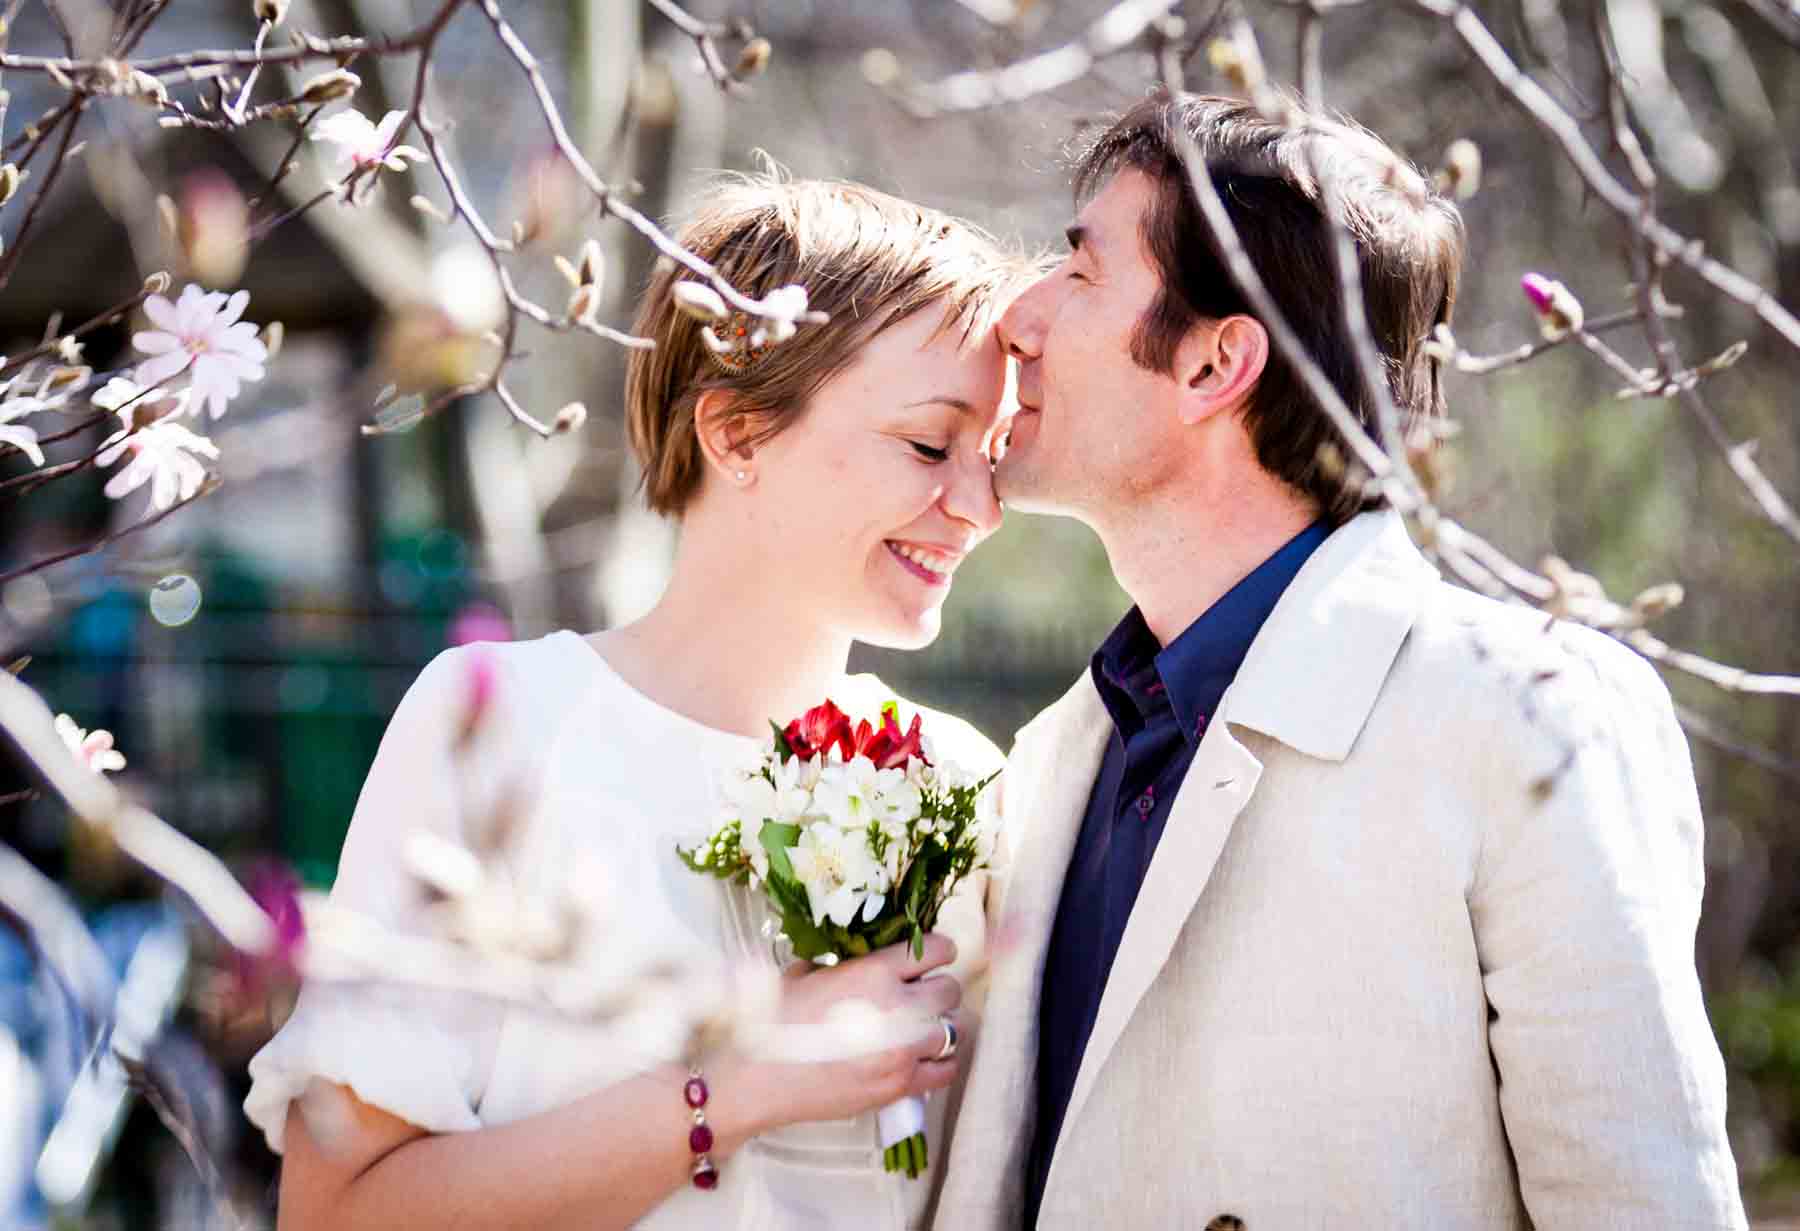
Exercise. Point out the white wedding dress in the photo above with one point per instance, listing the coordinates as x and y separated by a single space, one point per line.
620 781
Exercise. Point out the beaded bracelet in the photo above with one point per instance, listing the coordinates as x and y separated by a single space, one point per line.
700 1137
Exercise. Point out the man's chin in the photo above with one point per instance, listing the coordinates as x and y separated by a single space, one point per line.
1018 484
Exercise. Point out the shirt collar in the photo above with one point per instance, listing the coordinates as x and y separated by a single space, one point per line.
1136 677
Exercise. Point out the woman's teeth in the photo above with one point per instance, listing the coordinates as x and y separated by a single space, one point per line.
930 561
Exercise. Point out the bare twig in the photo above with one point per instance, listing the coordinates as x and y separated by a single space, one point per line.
106 540
1566 131
705 36
1118 29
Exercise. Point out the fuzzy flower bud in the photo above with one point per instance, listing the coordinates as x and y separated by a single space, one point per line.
9 182
157 283
1556 305
592 270
146 89
272 336
584 303
329 87
1657 600
1240 65
271 11
699 301
213 226
571 417
752 59
1461 173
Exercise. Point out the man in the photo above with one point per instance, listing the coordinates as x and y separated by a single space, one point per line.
1338 896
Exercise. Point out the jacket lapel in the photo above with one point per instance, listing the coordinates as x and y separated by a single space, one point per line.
1309 680
1218 785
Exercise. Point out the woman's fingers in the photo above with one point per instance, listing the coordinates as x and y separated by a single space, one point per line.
936 951
933 1038
936 993
935 1075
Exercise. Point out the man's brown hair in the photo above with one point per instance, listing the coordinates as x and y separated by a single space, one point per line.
867 259
1409 241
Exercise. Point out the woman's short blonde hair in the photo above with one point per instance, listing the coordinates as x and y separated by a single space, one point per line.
866 259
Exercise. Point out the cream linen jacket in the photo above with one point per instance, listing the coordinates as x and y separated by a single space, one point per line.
1415 949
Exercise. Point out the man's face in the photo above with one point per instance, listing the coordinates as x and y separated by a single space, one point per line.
1092 426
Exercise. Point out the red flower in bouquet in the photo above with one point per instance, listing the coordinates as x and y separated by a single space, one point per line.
815 731
887 747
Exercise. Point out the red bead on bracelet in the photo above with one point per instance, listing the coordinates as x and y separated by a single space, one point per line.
700 1137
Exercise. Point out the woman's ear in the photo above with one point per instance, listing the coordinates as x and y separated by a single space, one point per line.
723 431
1219 364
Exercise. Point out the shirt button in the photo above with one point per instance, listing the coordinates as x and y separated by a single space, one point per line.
1146 803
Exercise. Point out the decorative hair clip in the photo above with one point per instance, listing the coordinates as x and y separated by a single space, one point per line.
736 344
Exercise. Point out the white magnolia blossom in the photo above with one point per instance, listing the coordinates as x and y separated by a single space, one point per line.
51 393
361 143
201 334
130 400
783 307
841 874
93 749
162 455
18 435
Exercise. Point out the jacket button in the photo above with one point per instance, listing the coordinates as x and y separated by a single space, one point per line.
1226 1222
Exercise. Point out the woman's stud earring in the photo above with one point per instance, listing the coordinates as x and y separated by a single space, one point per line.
742 475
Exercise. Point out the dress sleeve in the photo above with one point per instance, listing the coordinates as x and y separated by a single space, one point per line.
421 1054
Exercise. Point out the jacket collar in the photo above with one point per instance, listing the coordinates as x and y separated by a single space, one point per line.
1312 675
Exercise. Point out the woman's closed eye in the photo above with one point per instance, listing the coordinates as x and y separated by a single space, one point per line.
930 453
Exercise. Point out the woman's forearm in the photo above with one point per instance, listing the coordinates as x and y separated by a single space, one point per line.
601 1161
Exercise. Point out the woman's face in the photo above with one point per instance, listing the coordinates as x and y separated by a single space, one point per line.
883 485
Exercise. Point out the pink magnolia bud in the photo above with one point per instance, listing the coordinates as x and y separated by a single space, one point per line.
479 686
1537 290
1560 311
213 225
275 888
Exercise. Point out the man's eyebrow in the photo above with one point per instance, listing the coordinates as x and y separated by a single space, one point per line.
945 399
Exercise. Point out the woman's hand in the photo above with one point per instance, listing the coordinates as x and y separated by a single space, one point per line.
899 987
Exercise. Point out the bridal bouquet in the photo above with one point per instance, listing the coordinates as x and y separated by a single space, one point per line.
857 837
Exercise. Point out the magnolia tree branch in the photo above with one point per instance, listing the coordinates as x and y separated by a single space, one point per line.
1120 29
107 540
1385 461
1477 563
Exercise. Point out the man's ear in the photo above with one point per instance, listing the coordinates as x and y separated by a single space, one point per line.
1218 364
723 431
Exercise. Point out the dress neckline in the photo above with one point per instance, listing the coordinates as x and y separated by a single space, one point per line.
850 692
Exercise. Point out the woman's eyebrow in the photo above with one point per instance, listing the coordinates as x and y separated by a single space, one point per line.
945 399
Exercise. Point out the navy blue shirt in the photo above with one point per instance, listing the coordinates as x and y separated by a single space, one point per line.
1160 700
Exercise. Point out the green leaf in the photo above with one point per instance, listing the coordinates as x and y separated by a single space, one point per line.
782 747
776 838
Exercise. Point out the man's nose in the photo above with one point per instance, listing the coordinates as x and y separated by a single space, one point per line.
1021 327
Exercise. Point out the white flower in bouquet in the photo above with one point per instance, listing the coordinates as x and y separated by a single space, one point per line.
840 873
856 842
855 793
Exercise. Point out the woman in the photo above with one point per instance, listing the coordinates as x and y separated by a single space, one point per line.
827 489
